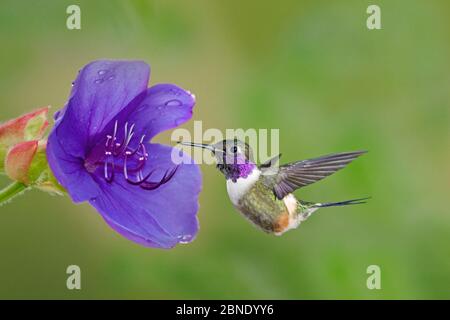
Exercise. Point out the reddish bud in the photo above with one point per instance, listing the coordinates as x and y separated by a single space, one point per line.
30 126
18 160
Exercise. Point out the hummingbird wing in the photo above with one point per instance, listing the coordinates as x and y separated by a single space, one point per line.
289 177
270 163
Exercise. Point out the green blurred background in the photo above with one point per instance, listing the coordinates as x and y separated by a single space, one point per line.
311 69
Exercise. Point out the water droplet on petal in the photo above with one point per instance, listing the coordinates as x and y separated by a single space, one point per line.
191 94
111 77
185 238
174 103
98 81
100 72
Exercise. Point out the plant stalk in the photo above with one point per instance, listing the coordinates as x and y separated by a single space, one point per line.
11 191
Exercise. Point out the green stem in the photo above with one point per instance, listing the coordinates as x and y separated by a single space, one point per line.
14 189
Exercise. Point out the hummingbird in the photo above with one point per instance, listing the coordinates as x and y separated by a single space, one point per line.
264 193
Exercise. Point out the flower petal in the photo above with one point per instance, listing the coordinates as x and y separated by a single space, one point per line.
70 171
102 89
157 218
164 107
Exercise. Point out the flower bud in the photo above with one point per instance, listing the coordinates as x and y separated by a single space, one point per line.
28 127
18 160
26 162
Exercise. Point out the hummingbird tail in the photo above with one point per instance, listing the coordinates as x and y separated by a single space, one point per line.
340 203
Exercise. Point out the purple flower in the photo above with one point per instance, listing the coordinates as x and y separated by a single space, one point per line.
99 151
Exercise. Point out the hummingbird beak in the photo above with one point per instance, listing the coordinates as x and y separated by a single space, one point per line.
200 145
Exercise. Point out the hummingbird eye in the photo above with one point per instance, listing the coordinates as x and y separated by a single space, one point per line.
234 149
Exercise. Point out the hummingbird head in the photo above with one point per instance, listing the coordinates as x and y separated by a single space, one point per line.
234 157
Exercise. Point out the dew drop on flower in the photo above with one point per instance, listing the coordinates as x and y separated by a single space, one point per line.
185 238
101 72
111 77
191 94
173 103
98 81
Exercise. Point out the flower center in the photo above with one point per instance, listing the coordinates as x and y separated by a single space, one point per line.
133 160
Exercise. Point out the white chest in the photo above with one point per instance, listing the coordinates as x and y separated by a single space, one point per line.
237 189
